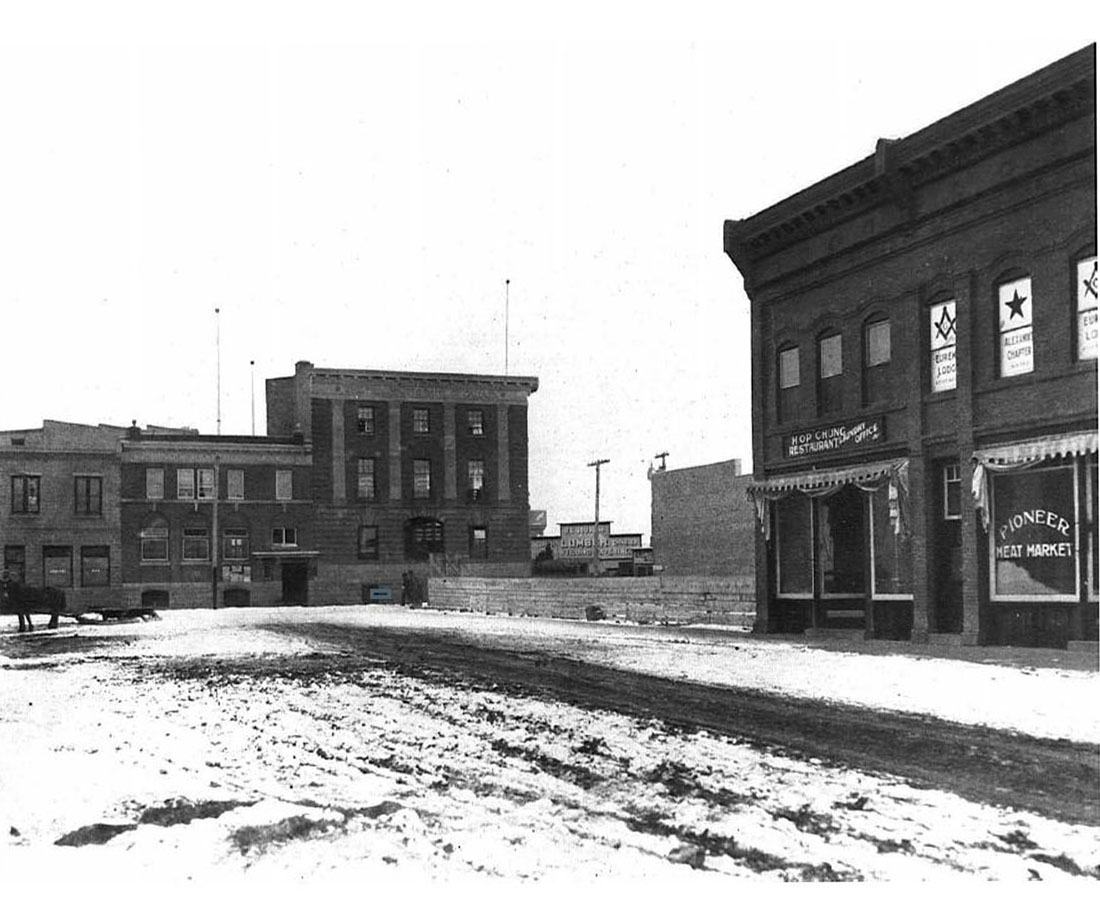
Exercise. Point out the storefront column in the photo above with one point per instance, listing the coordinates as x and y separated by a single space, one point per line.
920 494
967 290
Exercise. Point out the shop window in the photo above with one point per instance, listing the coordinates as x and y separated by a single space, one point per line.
876 358
15 562
1014 307
830 369
88 495
284 537
185 484
942 342
154 483
206 489
794 546
789 377
1087 319
364 420
475 424
365 479
25 497
479 544
1094 513
368 543
422 479
421 422
57 566
95 565
423 537
475 480
1033 534
840 543
234 485
284 485
196 544
154 539
952 492
891 557
235 545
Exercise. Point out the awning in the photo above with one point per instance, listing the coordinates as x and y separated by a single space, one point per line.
1019 456
1046 446
820 479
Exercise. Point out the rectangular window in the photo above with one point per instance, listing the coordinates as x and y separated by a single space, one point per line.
832 363
1033 535
284 536
876 339
1093 474
421 423
57 566
479 544
891 558
234 485
830 397
196 544
15 562
952 492
284 485
794 546
95 565
475 475
942 337
368 543
235 545
789 375
154 483
88 495
206 489
154 542
474 422
1014 304
25 494
364 420
1087 327
365 479
422 479
185 484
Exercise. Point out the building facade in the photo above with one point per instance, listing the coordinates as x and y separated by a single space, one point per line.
410 470
924 348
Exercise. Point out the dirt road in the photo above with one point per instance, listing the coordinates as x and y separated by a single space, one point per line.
1058 779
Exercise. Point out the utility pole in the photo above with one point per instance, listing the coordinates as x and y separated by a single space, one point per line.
218 353
215 542
252 382
596 523
507 284
662 455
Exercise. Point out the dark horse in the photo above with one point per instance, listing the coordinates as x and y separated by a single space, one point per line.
16 598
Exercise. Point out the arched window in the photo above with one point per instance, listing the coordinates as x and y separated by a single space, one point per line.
423 537
1014 323
876 359
830 373
788 378
154 538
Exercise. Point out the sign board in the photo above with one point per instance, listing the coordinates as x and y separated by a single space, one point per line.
237 573
576 542
829 439
1034 534
1014 306
1087 311
942 339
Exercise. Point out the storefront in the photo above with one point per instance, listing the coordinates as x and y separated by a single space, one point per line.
839 548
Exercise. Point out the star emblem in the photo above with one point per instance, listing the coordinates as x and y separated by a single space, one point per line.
1016 304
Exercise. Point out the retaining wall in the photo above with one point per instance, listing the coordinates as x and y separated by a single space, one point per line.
665 600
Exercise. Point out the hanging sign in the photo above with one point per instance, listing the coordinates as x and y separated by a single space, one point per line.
828 439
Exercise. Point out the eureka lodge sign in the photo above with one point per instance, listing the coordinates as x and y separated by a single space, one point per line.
828 439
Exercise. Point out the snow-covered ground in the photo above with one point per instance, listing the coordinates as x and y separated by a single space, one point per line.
204 758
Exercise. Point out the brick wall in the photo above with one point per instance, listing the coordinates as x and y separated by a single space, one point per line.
666 600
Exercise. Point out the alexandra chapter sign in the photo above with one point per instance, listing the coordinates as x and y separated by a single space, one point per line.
829 439
1035 534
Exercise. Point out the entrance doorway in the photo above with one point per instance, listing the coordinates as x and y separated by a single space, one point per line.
295 583
947 611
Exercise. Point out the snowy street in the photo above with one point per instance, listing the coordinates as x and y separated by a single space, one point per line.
270 745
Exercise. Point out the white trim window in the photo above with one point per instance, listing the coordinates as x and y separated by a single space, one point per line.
1014 308
284 537
952 491
943 337
891 556
205 485
185 485
1088 329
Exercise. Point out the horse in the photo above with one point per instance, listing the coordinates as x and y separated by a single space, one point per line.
19 599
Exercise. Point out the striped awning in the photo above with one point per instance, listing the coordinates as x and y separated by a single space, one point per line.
820 479
1042 448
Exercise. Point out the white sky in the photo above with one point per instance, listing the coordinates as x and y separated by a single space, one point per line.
355 191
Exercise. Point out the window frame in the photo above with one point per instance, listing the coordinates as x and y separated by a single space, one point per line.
366 485
95 552
186 488
364 419
1014 278
875 594
234 484
945 480
244 544
421 420
288 537
284 485
782 352
422 470
25 499
830 388
154 480
196 535
48 556
154 529
85 504
1080 311
475 422
479 550
877 321
952 345
206 488
370 551
812 531
475 479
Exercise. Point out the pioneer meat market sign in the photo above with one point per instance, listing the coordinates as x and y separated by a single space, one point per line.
828 439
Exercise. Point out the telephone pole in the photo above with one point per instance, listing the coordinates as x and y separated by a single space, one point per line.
596 522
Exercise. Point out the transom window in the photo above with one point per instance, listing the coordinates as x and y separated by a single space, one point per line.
364 420
421 421
25 494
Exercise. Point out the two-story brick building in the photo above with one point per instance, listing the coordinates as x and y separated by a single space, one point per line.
410 467
924 348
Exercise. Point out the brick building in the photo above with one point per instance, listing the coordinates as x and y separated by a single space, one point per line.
59 526
215 520
702 523
410 467
924 391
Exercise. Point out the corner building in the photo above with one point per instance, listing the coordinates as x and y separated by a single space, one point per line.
411 472
924 348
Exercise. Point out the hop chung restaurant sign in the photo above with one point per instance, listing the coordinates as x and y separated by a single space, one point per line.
841 437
